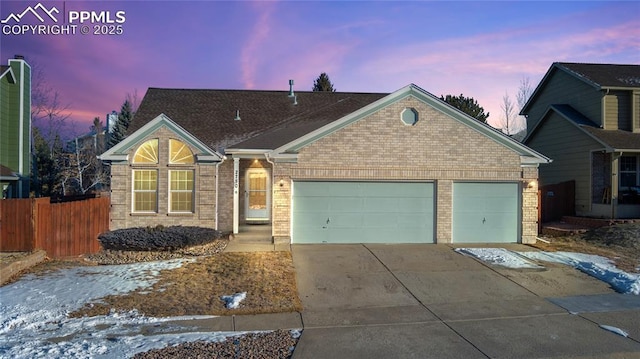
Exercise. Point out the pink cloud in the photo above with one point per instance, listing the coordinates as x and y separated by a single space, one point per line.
254 48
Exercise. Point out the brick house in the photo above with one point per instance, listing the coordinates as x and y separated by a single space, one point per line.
323 167
587 118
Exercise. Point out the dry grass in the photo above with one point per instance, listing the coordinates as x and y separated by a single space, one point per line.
620 243
196 288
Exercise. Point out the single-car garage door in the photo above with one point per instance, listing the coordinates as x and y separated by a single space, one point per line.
485 212
362 212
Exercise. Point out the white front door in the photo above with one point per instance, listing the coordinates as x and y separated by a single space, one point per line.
257 194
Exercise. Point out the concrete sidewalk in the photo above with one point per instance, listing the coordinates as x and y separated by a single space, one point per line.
417 301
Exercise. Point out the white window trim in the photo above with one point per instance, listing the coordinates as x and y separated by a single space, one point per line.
415 114
637 171
192 191
134 191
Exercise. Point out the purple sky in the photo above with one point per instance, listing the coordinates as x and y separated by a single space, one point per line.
481 49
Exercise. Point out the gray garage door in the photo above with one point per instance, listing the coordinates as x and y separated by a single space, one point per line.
485 212
362 212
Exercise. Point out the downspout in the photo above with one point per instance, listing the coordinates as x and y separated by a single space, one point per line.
273 184
218 191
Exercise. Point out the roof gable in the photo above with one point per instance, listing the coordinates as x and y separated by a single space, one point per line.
291 148
7 71
120 151
611 140
599 76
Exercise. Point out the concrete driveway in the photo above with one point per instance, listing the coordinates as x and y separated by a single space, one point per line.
418 301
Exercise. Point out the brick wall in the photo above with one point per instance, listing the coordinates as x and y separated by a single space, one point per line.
380 147
121 191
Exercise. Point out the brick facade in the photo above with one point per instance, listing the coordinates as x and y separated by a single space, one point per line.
121 190
380 147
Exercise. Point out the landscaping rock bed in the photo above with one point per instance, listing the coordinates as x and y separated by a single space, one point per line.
109 256
266 345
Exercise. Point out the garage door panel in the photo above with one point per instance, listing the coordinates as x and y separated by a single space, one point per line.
485 212
372 212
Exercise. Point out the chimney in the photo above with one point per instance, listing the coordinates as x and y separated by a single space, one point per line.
19 57
237 118
291 94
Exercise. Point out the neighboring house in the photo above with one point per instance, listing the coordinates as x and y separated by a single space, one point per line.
323 167
15 128
587 118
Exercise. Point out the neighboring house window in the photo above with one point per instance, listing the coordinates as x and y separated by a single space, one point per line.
179 153
147 152
181 191
145 190
629 180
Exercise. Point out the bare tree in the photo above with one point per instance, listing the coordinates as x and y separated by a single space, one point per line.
48 113
83 171
524 93
508 120
134 100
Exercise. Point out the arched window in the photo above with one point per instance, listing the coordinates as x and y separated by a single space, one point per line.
179 153
147 152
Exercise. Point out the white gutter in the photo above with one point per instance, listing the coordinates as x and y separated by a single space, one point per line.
218 190
273 183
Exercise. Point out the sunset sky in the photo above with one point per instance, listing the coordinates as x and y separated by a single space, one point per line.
482 49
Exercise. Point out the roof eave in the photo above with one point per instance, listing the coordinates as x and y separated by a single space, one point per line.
10 75
246 152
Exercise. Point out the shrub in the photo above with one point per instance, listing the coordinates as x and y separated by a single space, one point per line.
157 238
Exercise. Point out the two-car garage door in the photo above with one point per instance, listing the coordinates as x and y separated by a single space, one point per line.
401 212
363 212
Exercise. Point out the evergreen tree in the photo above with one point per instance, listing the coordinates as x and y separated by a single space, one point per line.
322 83
467 105
122 124
45 176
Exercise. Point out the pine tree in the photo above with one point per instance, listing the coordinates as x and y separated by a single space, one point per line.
322 83
467 105
122 124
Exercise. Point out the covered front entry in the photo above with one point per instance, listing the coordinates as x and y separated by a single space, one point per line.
363 212
257 194
485 212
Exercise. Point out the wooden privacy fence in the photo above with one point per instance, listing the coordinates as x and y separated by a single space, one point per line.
61 229
557 200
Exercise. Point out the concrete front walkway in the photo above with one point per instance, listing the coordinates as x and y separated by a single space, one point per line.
427 301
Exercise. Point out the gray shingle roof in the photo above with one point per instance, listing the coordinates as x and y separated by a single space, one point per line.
617 139
606 75
209 114
573 115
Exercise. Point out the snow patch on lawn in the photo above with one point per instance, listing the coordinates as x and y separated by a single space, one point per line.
34 320
499 256
597 266
233 301
614 330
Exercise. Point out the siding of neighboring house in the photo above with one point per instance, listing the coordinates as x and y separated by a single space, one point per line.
617 111
121 191
563 88
15 126
569 162
380 147
635 111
